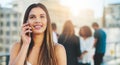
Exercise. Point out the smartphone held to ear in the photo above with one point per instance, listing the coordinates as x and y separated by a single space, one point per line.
28 34
29 31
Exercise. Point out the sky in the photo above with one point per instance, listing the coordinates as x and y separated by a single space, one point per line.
5 3
113 1
74 5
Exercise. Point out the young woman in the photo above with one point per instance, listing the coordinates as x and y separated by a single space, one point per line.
36 46
71 43
86 42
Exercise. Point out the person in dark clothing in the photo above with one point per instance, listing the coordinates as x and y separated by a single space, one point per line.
100 44
71 43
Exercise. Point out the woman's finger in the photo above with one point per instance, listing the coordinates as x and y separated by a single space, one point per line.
27 31
26 28
26 24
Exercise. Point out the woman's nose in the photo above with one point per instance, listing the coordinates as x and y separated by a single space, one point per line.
38 20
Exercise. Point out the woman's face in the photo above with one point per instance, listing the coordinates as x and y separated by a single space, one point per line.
38 20
82 32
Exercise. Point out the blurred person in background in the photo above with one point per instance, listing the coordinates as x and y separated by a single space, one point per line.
36 46
100 44
86 43
71 43
55 34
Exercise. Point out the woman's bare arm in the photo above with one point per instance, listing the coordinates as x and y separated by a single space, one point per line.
61 54
17 55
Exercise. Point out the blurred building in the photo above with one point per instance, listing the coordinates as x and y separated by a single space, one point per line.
58 13
21 6
85 17
9 28
113 15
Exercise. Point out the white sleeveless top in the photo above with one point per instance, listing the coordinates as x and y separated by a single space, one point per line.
28 63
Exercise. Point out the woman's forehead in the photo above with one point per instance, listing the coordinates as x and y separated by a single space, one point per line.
37 10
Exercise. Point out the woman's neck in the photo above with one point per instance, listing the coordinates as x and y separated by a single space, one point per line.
85 37
38 39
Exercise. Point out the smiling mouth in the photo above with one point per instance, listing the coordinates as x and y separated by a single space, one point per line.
37 27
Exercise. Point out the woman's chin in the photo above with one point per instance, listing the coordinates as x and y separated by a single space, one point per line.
38 32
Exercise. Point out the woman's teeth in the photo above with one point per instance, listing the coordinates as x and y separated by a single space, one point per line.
37 27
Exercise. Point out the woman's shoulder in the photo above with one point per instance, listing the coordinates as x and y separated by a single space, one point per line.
91 38
75 36
60 54
61 35
58 46
15 47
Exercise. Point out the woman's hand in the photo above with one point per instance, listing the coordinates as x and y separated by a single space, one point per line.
25 34
82 55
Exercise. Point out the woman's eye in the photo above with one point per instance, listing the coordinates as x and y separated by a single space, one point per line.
42 16
32 17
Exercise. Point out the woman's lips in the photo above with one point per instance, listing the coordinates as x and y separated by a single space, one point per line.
37 27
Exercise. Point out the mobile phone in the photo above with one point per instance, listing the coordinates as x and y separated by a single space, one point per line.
29 33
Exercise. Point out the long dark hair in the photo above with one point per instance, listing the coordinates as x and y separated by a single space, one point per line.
87 31
68 29
47 54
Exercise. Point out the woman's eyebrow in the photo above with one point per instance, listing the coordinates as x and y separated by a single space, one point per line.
34 14
42 14
31 15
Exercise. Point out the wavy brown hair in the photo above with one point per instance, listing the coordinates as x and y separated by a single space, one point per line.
47 54
87 31
68 29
